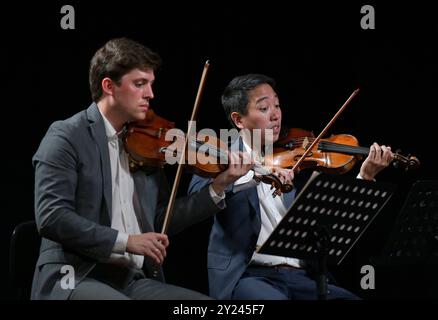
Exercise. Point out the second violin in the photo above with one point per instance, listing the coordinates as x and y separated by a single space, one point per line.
336 154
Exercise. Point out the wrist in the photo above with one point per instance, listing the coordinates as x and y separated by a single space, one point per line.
218 186
366 176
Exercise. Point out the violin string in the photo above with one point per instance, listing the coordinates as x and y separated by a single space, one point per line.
218 152
333 146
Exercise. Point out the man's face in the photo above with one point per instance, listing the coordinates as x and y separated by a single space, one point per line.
263 112
133 93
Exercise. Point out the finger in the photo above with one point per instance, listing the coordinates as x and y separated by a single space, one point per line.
161 253
378 155
239 163
234 160
290 174
387 154
281 177
372 153
153 254
247 159
284 177
228 153
277 172
163 239
239 160
286 174
161 248
230 158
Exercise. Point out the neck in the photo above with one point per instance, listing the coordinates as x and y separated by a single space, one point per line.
248 137
111 114
256 142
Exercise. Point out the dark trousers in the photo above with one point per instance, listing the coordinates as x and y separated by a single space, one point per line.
275 283
109 282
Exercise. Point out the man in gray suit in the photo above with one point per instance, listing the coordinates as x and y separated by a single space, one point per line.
97 219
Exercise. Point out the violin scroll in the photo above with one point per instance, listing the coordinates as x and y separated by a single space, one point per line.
408 162
275 184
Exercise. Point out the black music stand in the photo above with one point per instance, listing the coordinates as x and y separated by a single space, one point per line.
414 239
325 221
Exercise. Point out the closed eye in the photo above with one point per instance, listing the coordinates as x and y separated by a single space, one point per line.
140 84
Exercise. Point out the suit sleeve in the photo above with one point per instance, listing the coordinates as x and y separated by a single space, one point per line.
188 210
56 164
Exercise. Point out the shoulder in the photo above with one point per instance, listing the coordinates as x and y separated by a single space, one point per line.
70 126
62 137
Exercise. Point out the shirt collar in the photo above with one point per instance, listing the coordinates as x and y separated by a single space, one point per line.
110 132
258 158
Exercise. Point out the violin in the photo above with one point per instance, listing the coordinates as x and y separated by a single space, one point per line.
145 141
146 145
336 154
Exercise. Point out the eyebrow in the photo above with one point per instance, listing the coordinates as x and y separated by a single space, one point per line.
144 80
264 98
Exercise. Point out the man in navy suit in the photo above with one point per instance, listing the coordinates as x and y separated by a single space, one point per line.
235 270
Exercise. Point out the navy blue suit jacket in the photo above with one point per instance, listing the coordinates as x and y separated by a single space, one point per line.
234 235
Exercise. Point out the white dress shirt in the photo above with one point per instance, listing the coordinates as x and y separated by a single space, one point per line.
272 210
125 203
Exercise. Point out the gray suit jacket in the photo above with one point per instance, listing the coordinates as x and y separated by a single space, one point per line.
73 202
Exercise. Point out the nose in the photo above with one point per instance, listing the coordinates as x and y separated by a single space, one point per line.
276 114
148 93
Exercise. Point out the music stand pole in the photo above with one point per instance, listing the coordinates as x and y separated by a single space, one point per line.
321 243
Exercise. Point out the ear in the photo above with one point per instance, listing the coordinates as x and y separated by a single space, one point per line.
107 86
237 119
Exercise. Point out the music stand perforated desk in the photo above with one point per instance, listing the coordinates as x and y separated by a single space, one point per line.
414 239
326 219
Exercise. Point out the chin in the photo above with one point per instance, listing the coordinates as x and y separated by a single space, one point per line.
275 138
141 115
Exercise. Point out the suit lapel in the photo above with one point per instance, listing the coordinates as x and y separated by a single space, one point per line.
144 184
288 198
97 130
251 194
253 199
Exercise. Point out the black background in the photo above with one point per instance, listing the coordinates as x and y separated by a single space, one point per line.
318 53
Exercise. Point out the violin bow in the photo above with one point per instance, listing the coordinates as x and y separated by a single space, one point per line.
323 132
171 203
